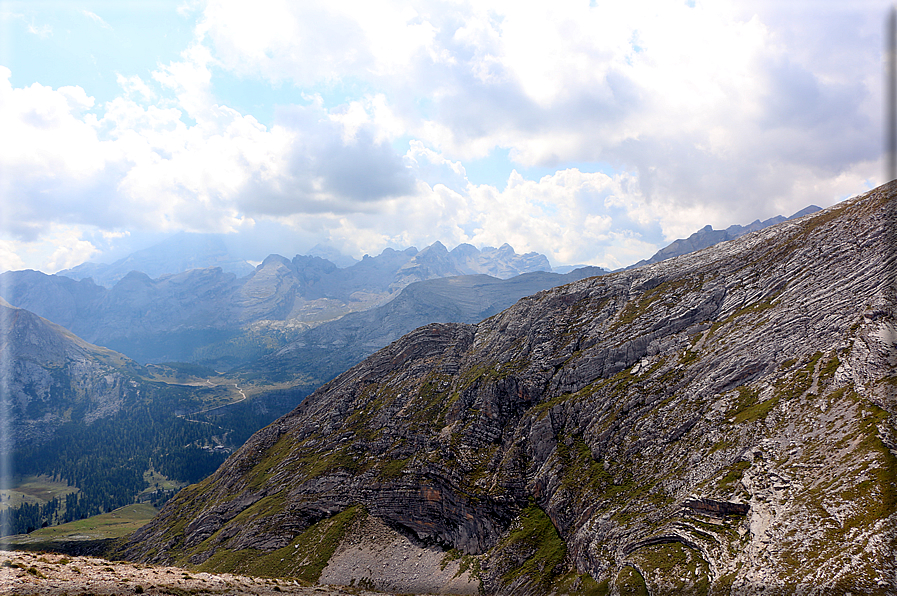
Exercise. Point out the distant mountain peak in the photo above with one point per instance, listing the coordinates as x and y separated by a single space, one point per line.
806 211
181 252
437 248
275 258
333 255
707 237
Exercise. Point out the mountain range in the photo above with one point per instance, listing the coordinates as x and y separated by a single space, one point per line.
110 428
185 251
214 316
189 299
721 422
329 349
81 412
707 237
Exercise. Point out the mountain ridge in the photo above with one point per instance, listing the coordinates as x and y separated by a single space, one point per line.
707 237
696 424
175 316
51 376
333 347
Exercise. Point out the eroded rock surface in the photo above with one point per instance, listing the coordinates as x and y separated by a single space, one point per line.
50 377
375 555
719 422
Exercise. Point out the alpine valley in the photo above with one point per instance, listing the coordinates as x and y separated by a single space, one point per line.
722 422
88 429
719 420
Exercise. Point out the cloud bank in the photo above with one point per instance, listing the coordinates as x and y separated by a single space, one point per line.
651 120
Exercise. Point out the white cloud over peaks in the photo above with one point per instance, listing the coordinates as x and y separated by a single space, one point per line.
71 249
571 216
9 259
721 103
564 216
128 164
716 113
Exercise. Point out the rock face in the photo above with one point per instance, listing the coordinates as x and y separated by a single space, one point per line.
49 377
721 422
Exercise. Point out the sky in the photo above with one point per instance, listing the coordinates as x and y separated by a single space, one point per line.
594 132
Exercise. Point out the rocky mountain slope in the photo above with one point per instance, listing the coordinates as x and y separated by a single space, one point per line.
50 376
331 348
717 423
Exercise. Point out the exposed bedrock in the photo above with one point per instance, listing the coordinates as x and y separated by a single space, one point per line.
722 420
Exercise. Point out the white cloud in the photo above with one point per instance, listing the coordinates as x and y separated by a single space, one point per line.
718 113
144 166
61 246
51 151
134 86
43 31
671 92
70 251
190 80
309 42
562 216
9 258
96 19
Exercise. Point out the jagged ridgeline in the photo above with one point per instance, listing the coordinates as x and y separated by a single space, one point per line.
719 423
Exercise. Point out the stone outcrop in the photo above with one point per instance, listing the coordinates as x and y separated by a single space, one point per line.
49 377
716 508
722 422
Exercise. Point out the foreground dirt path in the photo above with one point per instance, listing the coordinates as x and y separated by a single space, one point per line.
25 573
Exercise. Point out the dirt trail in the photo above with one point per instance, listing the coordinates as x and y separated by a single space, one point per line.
187 416
47 574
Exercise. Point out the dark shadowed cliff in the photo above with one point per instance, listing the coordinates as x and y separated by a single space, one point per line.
717 423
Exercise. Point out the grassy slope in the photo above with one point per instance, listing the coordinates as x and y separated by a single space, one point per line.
114 524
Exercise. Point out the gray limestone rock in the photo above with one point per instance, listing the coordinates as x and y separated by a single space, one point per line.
720 422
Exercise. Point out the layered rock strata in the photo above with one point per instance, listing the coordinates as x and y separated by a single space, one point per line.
721 422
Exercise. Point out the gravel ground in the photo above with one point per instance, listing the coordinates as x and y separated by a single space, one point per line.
47 574
376 556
